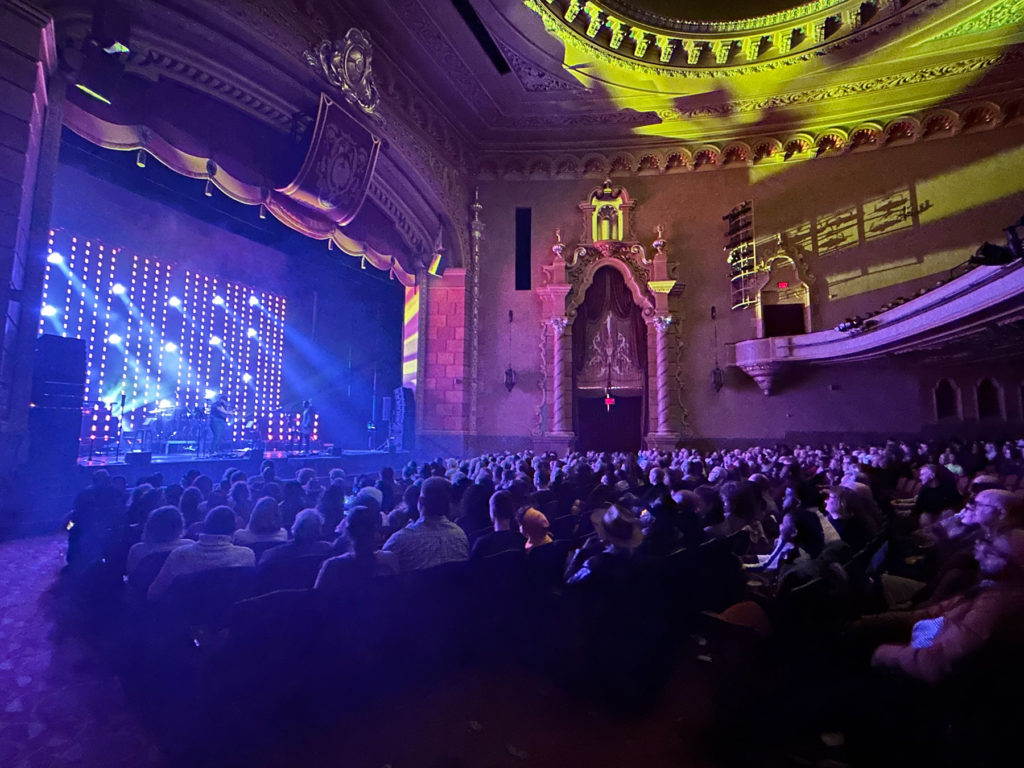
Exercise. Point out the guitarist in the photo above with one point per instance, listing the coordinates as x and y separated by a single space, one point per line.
220 414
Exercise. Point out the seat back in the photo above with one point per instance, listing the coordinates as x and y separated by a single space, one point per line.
288 573
206 598
143 575
259 547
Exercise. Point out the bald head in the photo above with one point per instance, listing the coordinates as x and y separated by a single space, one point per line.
995 510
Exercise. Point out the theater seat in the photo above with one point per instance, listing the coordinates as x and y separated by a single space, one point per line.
288 573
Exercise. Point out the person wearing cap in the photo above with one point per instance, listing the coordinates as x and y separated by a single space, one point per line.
433 539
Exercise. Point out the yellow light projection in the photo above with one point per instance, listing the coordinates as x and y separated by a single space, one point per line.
410 337
742 74
925 202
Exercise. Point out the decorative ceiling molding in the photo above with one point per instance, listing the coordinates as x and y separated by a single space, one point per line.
710 49
627 10
884 83
534 78
1003 14
793 146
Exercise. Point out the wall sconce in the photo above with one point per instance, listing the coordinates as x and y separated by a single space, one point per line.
510 373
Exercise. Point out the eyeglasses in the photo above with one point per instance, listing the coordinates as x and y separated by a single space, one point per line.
979 504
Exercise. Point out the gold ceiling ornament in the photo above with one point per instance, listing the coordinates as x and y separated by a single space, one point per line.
348 65
682 48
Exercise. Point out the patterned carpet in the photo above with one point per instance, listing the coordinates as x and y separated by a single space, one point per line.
61 705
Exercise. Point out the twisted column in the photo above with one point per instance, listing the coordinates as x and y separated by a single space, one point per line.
661 323
561 381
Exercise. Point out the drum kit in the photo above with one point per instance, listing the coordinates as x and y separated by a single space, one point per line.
183 428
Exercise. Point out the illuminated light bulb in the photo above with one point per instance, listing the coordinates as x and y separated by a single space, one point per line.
215 341
174 301
117 288
113 339
55 258
246 377
170 346
254 300
251 333
48 311
210 394
218 301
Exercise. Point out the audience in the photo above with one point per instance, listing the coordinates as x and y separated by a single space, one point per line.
161 533
433 539
264 525
213 550
839 544
363 560
307 539
503 539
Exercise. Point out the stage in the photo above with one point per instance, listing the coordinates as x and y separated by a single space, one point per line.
286 463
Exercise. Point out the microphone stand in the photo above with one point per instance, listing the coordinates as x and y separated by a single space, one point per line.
120 430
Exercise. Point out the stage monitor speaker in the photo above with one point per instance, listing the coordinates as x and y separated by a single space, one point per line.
53 437
403 419
58 376
138 458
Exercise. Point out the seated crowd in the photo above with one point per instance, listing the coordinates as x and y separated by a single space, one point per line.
912 555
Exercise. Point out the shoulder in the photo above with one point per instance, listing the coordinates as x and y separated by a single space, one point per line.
387 563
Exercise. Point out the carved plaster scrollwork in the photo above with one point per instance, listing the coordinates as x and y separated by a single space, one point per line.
348 64
558 325
629 256
662 322
540 420
763 374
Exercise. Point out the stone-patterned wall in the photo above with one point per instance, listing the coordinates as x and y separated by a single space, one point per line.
442 395
29 131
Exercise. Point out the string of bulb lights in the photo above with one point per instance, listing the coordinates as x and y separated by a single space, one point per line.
164 339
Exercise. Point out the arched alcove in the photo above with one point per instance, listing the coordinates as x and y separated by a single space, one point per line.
990 400
609 376
948 406
783 300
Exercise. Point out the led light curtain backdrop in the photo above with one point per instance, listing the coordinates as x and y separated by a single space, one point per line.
166 338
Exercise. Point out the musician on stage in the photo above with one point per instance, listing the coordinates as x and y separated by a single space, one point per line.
220 413
306 426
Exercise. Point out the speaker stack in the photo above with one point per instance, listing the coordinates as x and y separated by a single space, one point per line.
403 419
58 390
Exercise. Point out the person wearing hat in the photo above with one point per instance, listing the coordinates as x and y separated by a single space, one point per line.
618 530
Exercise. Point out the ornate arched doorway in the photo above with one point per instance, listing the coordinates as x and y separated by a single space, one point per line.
606 309
609 371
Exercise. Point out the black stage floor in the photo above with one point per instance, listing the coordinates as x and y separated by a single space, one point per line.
286 463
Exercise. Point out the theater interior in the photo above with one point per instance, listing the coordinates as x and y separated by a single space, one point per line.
616 382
